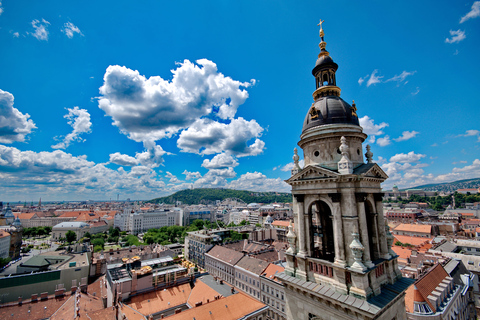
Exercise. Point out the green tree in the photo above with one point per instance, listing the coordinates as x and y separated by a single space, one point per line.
4 261
132 240
98 242
70 236
114 232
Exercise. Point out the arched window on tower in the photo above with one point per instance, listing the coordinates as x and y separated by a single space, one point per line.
321 231
325 79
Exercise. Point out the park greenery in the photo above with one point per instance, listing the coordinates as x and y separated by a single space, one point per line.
209 196
162 236
439 203
36 231
177 234
405 245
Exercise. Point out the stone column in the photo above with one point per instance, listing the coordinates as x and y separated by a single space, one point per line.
338 230
308 240
349 220
381 223
302 245
363 228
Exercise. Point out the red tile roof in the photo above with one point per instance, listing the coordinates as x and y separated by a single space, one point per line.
201 293
414 241
281 223
271 271
232 307
420 228
156 301
427 284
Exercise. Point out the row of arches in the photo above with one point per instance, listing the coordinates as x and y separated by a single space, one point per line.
325 78
321 231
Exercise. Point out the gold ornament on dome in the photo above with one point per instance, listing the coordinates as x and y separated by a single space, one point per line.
313 112
354 109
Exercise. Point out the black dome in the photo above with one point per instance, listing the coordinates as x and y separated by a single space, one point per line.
324 62
330 110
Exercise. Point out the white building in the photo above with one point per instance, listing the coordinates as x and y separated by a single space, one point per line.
247 275
138 222
193 213
272 291
4 244
237 216
79 227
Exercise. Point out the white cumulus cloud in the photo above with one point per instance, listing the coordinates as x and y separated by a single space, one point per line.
221 160
215 178
70 29
370 128
473 13
456 36
407 157
257 181
79 120
14 125
149 109
191 175
406 135
41 31
152 157
59 174
473 168
206 136
173 178
384 141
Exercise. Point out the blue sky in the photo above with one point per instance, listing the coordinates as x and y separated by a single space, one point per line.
141 99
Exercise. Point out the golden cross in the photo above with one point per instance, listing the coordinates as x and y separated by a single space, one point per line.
320 24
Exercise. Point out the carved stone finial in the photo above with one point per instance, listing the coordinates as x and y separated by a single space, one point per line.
345 166
390 239
369 155
291 238
357 251
296 167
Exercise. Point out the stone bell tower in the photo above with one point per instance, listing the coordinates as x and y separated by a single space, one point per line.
339 264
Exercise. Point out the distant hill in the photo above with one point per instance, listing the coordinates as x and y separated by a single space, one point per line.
209 196
451 186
